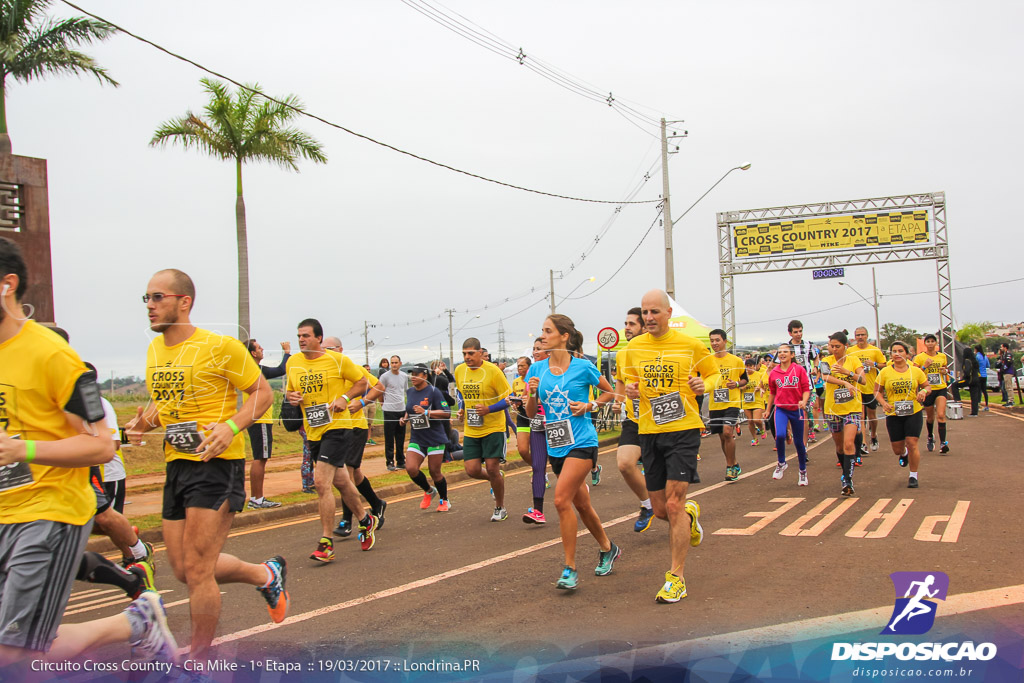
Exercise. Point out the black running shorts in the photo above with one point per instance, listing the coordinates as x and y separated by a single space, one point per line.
332 448
630 433
261 437
672 455
900 427
589 453
929 401
197 484
869 401
356 446
719 419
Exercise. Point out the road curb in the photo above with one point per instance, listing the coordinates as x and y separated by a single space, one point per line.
102 544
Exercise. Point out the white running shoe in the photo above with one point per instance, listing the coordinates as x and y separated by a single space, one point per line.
779 469
803 479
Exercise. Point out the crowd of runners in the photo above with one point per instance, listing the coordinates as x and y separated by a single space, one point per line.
54 427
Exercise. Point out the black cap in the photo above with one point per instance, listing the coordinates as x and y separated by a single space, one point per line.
418 367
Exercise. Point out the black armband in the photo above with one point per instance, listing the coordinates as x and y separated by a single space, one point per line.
85 399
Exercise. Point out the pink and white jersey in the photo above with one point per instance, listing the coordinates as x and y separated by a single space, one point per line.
788 387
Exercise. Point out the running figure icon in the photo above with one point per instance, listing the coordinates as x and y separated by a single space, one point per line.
916 606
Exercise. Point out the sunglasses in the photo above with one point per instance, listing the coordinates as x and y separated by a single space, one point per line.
157 297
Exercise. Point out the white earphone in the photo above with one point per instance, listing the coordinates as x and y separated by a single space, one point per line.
4 292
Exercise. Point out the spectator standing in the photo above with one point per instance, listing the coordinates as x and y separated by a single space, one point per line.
396 384
1006 374
983 366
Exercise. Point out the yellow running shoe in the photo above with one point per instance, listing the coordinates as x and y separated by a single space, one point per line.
696 531
674 589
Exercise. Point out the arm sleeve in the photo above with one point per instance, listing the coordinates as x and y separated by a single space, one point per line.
279 371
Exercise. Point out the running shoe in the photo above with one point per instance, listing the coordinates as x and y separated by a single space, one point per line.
143 570
379 514
500 515
780 469
534 517
764 434
674 589
274 592
366 535
739 430
148 557
904 458
444 506
264 504
847 488
730 474
595 476
324 550
692 508
643 522
605 560
857 462
754 442
931 444
803 479
547 482
392 468
863 449
308 489
344 529
945 448
371 442
567 581
912 483
698 457
838 464
874 445
157 643
812 437
704 433
428 499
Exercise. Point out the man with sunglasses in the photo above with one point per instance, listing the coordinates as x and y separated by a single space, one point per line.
192 376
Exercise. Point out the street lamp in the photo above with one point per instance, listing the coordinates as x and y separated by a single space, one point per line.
670 275
560 276
874 286
589 279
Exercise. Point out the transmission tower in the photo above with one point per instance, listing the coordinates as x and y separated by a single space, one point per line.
501 341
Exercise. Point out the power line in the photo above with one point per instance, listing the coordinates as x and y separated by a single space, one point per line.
955 289
341 127
651 227
799 315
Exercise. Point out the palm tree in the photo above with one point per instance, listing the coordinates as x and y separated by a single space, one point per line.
33 45
244 127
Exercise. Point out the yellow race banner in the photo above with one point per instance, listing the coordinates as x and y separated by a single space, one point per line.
830 233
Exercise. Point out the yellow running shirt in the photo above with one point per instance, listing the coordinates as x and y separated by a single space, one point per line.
730 369
868 357
663 367
193 384
358 418
900 388
632 407
322 380
847 402
38 371
932 366
754 393
485 385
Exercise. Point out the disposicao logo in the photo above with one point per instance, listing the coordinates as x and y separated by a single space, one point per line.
914 613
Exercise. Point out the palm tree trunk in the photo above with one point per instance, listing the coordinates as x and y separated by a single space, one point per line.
243 259
5 139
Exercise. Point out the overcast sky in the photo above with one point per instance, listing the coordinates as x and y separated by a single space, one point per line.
828 101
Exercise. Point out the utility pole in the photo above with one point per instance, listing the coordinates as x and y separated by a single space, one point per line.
451 336
666 214
366 339
666 217
551 273
878 330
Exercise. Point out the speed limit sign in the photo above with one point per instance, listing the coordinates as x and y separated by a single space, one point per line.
608 338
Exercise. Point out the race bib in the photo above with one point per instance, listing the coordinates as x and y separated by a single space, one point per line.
636 410
748 396
183 437
537 423
419 421
667 408
473 418
800 359
15 475
842 395
903 408
720 395
867 363
318 415
559 434
934 378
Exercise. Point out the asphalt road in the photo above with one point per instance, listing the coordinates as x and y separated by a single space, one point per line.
456 586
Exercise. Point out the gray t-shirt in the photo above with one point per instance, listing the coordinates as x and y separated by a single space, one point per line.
395 387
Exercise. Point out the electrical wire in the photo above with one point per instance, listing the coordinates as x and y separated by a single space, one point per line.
619 269
340 127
